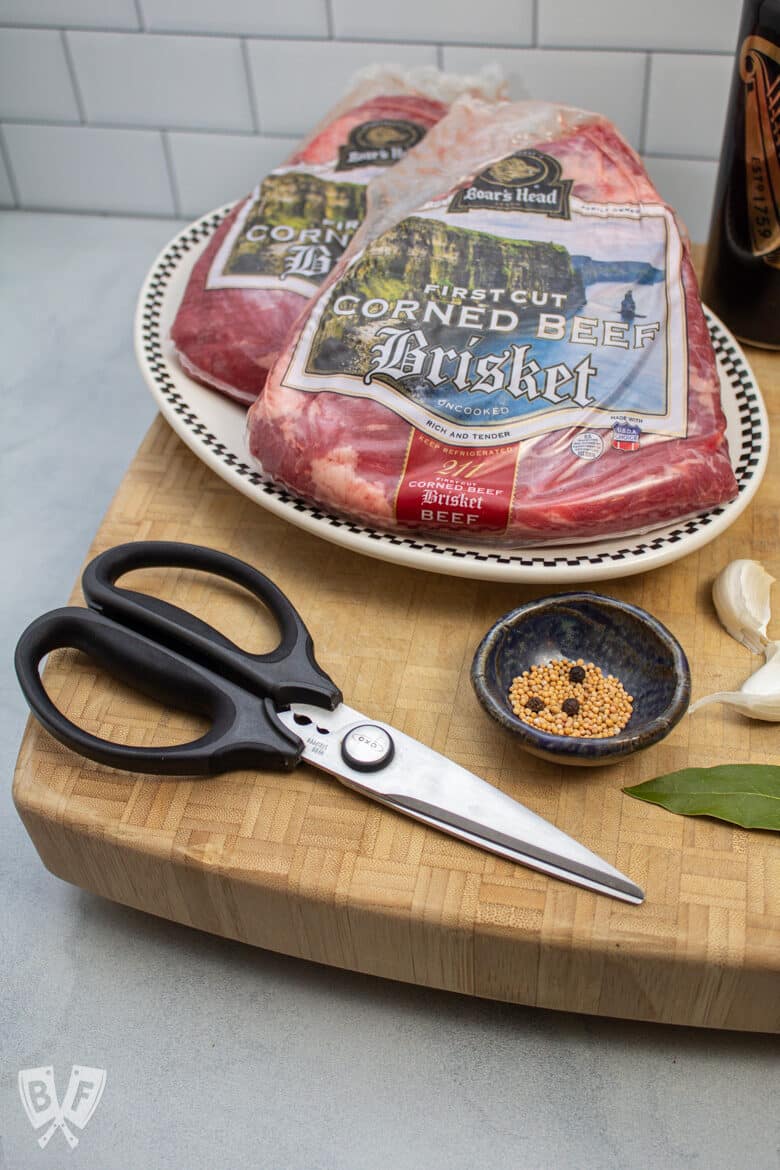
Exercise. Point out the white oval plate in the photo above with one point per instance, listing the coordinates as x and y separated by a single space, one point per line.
213 427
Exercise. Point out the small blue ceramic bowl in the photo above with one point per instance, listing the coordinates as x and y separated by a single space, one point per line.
621 639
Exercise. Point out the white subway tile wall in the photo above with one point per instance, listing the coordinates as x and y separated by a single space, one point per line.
682 182
171 107
209 169
6 191
34 78
70 13
196 83
257 18
494 22
83 168
700 26
609 83
688 95
296 82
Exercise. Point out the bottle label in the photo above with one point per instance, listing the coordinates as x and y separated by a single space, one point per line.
759 67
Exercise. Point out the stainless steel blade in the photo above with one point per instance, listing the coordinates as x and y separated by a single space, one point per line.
423 784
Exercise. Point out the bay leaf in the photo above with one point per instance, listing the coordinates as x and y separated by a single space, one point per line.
743 794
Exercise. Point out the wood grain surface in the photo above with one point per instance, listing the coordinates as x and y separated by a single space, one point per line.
296 863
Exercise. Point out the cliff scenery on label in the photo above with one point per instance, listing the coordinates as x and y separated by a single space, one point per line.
484 330
298 222
507 311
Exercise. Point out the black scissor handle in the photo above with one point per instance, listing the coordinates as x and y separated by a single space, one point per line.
244 732
290 673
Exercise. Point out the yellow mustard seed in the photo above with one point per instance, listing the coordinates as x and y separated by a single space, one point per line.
590 704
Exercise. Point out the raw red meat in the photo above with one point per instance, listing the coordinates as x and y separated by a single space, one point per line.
610 474
228 337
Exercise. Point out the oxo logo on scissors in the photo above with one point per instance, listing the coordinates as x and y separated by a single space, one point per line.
39 1098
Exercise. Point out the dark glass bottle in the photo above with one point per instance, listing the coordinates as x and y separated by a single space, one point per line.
742 275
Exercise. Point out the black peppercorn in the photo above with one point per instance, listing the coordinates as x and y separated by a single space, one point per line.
535 704
570 706
576 674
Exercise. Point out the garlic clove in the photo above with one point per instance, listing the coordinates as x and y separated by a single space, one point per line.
766 707
766 680
759 695
741 598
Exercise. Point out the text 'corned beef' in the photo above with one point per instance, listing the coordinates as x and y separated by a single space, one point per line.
279 244
512 349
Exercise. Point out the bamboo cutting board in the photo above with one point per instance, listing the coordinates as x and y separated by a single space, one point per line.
298 864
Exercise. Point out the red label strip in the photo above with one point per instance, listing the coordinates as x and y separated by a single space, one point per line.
464 489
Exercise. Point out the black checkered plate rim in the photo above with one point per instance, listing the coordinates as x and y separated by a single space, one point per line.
453 558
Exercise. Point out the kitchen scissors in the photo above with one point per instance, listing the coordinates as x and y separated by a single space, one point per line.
273 711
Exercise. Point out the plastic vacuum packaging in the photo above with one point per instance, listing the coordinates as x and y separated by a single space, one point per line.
511 351
278 245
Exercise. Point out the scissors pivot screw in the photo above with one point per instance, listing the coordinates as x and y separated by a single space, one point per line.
367 748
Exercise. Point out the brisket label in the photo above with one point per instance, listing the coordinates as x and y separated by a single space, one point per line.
488 330
290 232
481 339
294 227
528 180
455 488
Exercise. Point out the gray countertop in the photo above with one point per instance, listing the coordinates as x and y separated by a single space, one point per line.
218 1055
